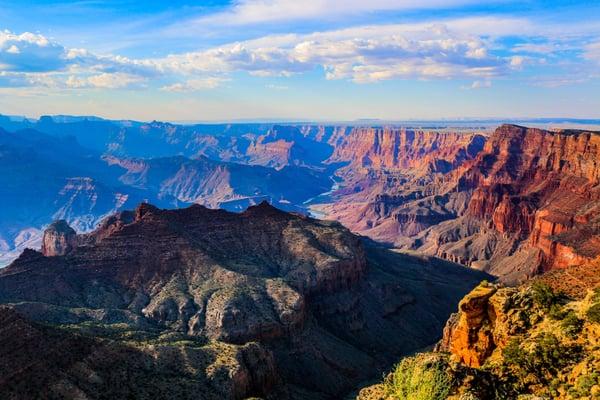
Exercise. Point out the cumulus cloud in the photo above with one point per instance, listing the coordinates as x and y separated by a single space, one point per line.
29 52
357 55
30 59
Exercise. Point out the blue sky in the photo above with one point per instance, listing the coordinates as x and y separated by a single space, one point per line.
300 60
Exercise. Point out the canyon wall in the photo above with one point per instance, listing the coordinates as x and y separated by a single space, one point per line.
521 202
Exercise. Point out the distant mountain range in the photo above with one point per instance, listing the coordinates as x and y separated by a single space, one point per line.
187 258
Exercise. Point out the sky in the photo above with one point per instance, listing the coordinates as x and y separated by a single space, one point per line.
318 60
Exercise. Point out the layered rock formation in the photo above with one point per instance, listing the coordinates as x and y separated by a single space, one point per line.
215 184
403 149
391 184
486 319
534 204
48 176
262 303
527 202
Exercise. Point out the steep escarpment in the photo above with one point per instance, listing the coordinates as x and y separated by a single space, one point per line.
533 204
402 149
393 185
508 343
250 300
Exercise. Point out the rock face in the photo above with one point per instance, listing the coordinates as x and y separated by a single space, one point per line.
486 318
402 149
540 188
258 296
59 239
392 177
528 202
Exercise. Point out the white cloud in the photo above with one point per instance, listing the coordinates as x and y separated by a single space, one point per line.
105 81
13 50
30 52
463 48
366 54
192 85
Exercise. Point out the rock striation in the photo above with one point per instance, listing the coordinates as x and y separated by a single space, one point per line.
402 149
393 176
527 202
540 189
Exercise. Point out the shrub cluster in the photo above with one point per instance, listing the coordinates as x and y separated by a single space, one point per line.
544 359
422 377
593 313
571 324
545 297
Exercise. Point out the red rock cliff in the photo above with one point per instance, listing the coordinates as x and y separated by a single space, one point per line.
539 185
392 148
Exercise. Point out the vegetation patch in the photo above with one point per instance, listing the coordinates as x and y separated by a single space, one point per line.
422 377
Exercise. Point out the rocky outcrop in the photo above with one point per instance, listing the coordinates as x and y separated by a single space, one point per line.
486 319
469 335
509 343
59 239
257 295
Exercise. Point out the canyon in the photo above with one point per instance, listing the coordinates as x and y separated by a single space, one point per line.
513 201
258 303
521 202
191 255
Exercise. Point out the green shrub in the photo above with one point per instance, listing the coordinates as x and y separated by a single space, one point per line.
513 354
557 312
544 296
423 377
545 359
593 313
571 324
